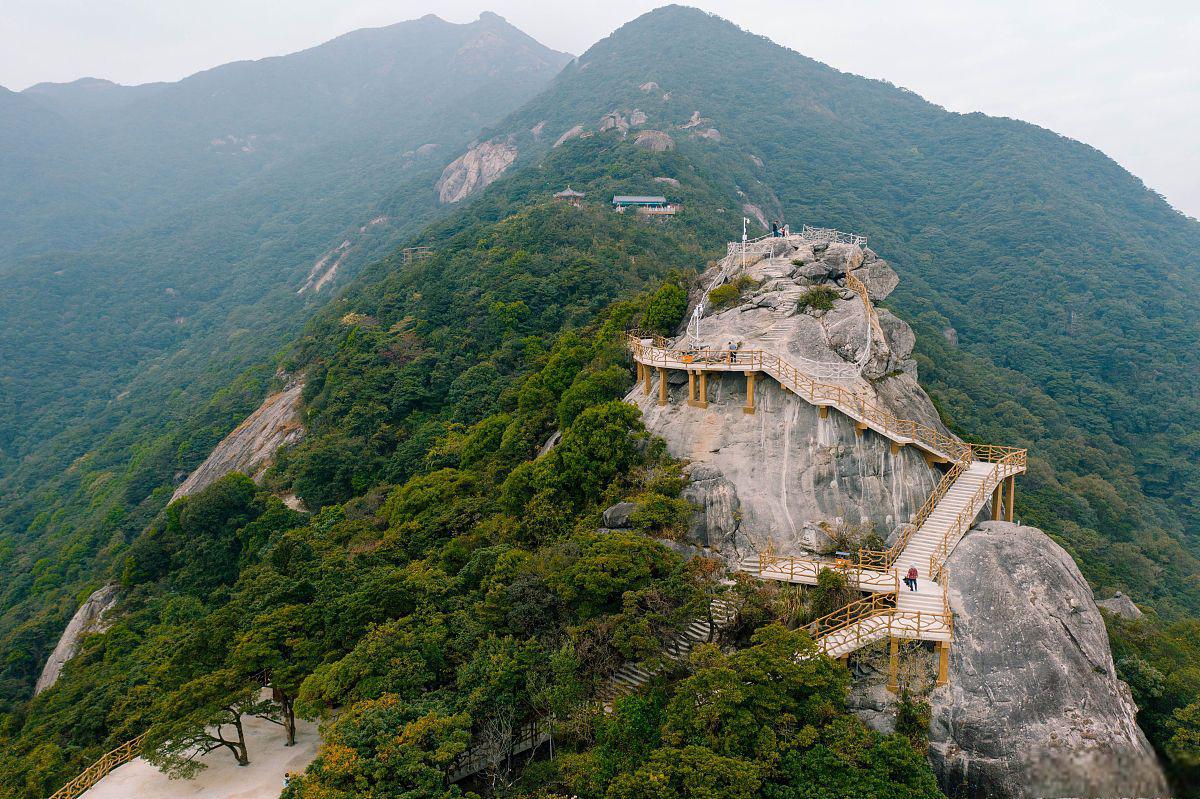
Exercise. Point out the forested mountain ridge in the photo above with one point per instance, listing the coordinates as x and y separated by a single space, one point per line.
1035 252
144 148
112 353
227 185
432 386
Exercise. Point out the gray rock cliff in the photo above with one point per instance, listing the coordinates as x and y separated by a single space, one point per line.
251 446
88 619
1034 706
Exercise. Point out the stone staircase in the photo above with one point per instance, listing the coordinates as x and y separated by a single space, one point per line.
631 676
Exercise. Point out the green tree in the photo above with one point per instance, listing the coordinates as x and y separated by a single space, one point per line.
665 310
386 748
199 717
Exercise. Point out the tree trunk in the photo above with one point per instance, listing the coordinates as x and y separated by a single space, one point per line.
243 757
289 719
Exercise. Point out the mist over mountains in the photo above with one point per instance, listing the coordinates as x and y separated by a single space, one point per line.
171 253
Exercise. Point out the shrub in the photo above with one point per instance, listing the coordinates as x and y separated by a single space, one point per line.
833 592
664 517
723 296
727 294
819 297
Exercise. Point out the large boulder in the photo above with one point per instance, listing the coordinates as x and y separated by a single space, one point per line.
1034 706
781 476
717 514
879 278
619 515
1121 605
655 141
842 258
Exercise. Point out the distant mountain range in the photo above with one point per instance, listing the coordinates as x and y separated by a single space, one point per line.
140 222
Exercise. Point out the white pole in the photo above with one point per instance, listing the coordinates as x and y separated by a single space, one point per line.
745 221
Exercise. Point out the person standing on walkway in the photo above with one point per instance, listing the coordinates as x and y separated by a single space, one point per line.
911 579
775 229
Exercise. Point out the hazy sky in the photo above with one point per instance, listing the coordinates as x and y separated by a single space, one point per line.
1121 76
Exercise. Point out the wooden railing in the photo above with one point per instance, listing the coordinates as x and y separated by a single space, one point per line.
100 769
852 404
875 616
859 575
1009 461
891 623
850 614
884 559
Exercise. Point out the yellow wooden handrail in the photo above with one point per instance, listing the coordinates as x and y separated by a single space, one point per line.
850 614
1010 460
100 769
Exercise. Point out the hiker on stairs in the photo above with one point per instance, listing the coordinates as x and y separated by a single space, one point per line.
911 579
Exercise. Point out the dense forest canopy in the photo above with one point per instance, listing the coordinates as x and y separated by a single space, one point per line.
1050 294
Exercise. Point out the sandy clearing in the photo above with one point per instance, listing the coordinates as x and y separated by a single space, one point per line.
270 760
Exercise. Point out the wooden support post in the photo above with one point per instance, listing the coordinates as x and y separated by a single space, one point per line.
702 400
662 386
646 380
998 508
893 683
1012 497
823 410
749 406
691 388
943 662
896 445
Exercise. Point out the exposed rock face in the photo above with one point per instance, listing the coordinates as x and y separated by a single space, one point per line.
250 447
784 475
1121 605
1034 706
568 135
88 619
478 167
618 515
754 212
654 140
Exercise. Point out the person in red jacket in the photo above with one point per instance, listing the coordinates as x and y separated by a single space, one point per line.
911 579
